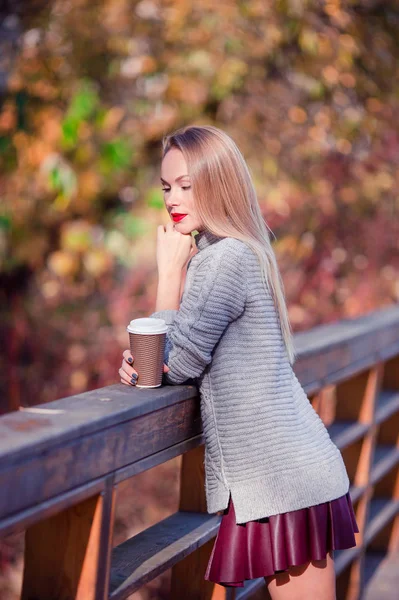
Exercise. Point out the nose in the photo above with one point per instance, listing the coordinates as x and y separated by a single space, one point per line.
172 200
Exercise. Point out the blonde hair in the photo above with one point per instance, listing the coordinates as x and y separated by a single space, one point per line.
227 205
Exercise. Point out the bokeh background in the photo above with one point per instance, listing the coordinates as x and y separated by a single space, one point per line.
309 90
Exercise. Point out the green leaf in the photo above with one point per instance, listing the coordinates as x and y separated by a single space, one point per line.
154 198
5 222
82 107
133 226
84 102
5 144
62 179
116 155
69 130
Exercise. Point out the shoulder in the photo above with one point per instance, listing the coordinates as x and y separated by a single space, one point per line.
222 261
221 266
231 246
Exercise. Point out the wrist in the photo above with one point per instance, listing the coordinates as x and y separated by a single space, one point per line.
168 292
170 273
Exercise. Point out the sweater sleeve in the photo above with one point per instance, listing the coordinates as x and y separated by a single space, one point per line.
215 298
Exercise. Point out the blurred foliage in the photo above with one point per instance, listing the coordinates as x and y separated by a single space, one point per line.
309 91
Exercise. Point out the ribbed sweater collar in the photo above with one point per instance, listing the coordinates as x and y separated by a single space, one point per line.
205 238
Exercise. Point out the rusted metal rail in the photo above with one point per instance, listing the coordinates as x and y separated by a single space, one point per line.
61 463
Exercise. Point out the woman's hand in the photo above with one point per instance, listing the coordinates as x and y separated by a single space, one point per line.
127 373
174 249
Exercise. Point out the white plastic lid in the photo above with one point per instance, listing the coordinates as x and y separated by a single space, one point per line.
148 326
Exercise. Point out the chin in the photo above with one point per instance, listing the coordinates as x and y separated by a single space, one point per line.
184 227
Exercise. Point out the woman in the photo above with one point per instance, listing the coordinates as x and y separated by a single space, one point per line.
270 464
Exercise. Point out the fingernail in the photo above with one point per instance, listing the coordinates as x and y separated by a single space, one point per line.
130 360
133 380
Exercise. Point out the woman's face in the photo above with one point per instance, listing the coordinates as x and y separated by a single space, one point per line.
177 192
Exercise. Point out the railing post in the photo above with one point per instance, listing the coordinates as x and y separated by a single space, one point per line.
68 554
367 389
391 380
188 575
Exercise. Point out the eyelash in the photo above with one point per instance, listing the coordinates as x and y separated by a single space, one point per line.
187 187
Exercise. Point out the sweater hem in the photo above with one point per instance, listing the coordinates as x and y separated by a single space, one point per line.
284 492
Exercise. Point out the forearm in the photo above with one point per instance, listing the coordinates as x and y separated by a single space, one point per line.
168 292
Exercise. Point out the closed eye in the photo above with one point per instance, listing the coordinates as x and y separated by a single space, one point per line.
187 187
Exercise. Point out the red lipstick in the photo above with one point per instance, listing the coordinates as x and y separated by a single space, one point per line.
177 217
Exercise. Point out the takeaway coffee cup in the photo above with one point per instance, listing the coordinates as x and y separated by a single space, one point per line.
147 344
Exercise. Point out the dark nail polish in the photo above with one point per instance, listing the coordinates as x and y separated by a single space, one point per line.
130 360
133 380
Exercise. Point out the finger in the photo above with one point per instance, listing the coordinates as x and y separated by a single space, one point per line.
192 252
165 368
128 357
169 226
127 378
130 372
160 231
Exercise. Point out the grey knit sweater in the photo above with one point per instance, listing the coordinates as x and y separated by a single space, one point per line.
264 443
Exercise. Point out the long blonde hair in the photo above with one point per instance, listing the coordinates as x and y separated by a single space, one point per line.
227 205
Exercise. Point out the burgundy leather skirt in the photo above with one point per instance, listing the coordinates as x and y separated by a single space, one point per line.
270 545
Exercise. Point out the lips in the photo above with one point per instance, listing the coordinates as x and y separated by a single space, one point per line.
177 217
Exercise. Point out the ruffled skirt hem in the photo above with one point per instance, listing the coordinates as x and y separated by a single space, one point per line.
271 545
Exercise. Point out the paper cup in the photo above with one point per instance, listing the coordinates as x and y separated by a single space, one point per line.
147 338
